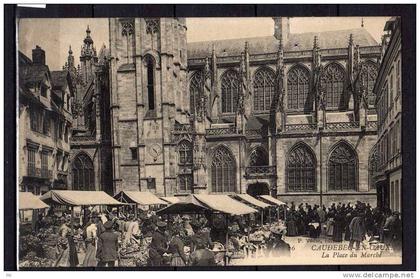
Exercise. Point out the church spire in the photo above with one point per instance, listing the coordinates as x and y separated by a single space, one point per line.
70 62
69 65
87 48
70 58
88 39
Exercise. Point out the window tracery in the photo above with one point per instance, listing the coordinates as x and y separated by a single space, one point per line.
230 91
83 173
300 169
152 25
263 89
369 75
258 157
223 171
196 91
333 83
298 88
342 168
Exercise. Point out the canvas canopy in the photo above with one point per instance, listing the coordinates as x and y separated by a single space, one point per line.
141 198
272 200
253 201
186 205
224 204
77 198
171 200
29 201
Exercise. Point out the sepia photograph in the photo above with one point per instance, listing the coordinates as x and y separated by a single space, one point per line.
204 141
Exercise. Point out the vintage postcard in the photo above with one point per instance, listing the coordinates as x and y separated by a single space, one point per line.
151 142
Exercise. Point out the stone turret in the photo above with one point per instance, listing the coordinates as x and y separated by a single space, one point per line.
281 28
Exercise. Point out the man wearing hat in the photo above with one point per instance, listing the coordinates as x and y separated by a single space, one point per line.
107 250
158 246
276 245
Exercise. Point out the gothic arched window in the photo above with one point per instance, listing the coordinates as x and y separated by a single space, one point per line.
196 89
150 68
263 89
230 91
83 173
258 157
185 158
369 75
223 171
185 151
298 88
342 168
333 83
300 169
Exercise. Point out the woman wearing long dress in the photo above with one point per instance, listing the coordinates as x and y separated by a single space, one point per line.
62 248
348 219
330 223
62 252
291 224
338 226
176 248
90 241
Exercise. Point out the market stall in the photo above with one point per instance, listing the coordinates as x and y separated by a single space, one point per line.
269 199
272 200
224 204
78 198
32 203
28 201
136 198
188 205
220 205
248 199
171 200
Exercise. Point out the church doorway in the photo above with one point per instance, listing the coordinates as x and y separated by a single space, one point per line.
258 189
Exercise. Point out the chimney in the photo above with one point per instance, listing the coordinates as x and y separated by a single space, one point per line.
38 56
281 28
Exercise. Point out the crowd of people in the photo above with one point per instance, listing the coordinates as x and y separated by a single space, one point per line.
176 240
346 222
204 240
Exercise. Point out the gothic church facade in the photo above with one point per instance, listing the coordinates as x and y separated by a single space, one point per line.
291 115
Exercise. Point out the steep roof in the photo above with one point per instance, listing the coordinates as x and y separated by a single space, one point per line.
32 73
269 44
59 78
23 59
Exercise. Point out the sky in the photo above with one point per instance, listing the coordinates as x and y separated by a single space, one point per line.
56 35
